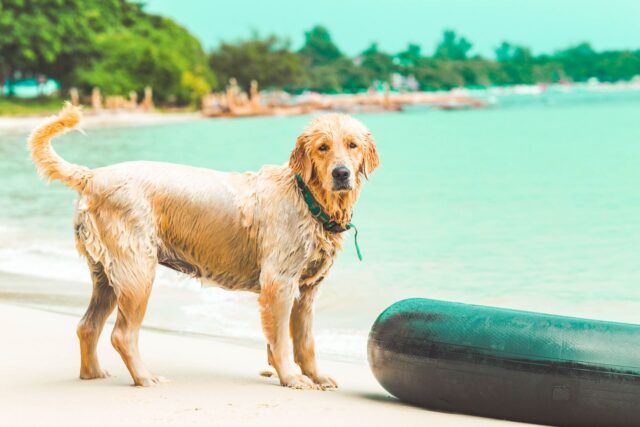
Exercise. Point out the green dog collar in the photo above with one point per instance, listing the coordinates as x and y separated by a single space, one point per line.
321 215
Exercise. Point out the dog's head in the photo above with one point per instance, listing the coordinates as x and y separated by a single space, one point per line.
333 151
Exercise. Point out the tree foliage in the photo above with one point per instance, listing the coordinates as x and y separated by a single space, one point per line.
149 51
268 61
319 49
326 69
379 65
53 36
516 64
112 44
452 47
117 46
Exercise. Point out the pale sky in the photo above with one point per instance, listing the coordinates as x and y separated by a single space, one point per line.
543 25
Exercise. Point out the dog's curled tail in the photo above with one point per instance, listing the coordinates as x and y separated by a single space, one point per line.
49 164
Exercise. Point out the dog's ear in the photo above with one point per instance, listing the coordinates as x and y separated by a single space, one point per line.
299 161
370 161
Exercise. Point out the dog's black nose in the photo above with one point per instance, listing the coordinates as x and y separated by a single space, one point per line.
340 173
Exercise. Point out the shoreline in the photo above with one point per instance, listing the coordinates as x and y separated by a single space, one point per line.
165 312
212 382
92 120
312 103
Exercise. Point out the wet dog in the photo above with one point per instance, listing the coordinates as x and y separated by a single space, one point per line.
240 231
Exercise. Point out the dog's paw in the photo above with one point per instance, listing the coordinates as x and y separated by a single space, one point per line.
299 382
326 382
94 374
150 381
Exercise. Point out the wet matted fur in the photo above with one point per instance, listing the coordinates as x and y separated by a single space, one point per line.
241 231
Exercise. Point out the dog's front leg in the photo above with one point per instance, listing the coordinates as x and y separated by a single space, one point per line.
277 294
302 335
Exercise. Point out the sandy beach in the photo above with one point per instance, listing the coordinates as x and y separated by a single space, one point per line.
104 119
212 383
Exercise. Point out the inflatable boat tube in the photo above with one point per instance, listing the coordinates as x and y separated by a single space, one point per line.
508 364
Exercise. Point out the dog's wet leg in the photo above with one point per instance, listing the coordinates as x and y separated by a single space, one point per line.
132 299
276 300
302 336
103 300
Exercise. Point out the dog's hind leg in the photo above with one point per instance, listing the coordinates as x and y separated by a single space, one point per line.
133 288
103 301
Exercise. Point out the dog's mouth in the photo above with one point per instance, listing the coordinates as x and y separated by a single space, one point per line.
341 186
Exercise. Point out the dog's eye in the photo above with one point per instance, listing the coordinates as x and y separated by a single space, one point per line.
323 147
353 145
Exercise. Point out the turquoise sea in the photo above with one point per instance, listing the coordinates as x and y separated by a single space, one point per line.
533 203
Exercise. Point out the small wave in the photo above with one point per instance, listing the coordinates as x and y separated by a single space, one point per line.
44 260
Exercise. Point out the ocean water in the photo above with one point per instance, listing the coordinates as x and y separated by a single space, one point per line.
531 204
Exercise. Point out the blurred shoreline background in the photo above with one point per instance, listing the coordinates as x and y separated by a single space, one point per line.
114 56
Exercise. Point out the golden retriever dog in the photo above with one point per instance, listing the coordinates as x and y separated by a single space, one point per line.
250 231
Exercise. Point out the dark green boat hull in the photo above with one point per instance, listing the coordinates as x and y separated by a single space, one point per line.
508 364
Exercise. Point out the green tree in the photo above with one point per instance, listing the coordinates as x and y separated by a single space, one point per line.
326 68
319 48
579 62
516 63
322 78
437 74
614 66
504 52
268 60
112 44
411 56
342 75
148 51
452 47
378 64
351 77
53 36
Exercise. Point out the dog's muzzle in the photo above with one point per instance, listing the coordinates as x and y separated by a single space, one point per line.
341 178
